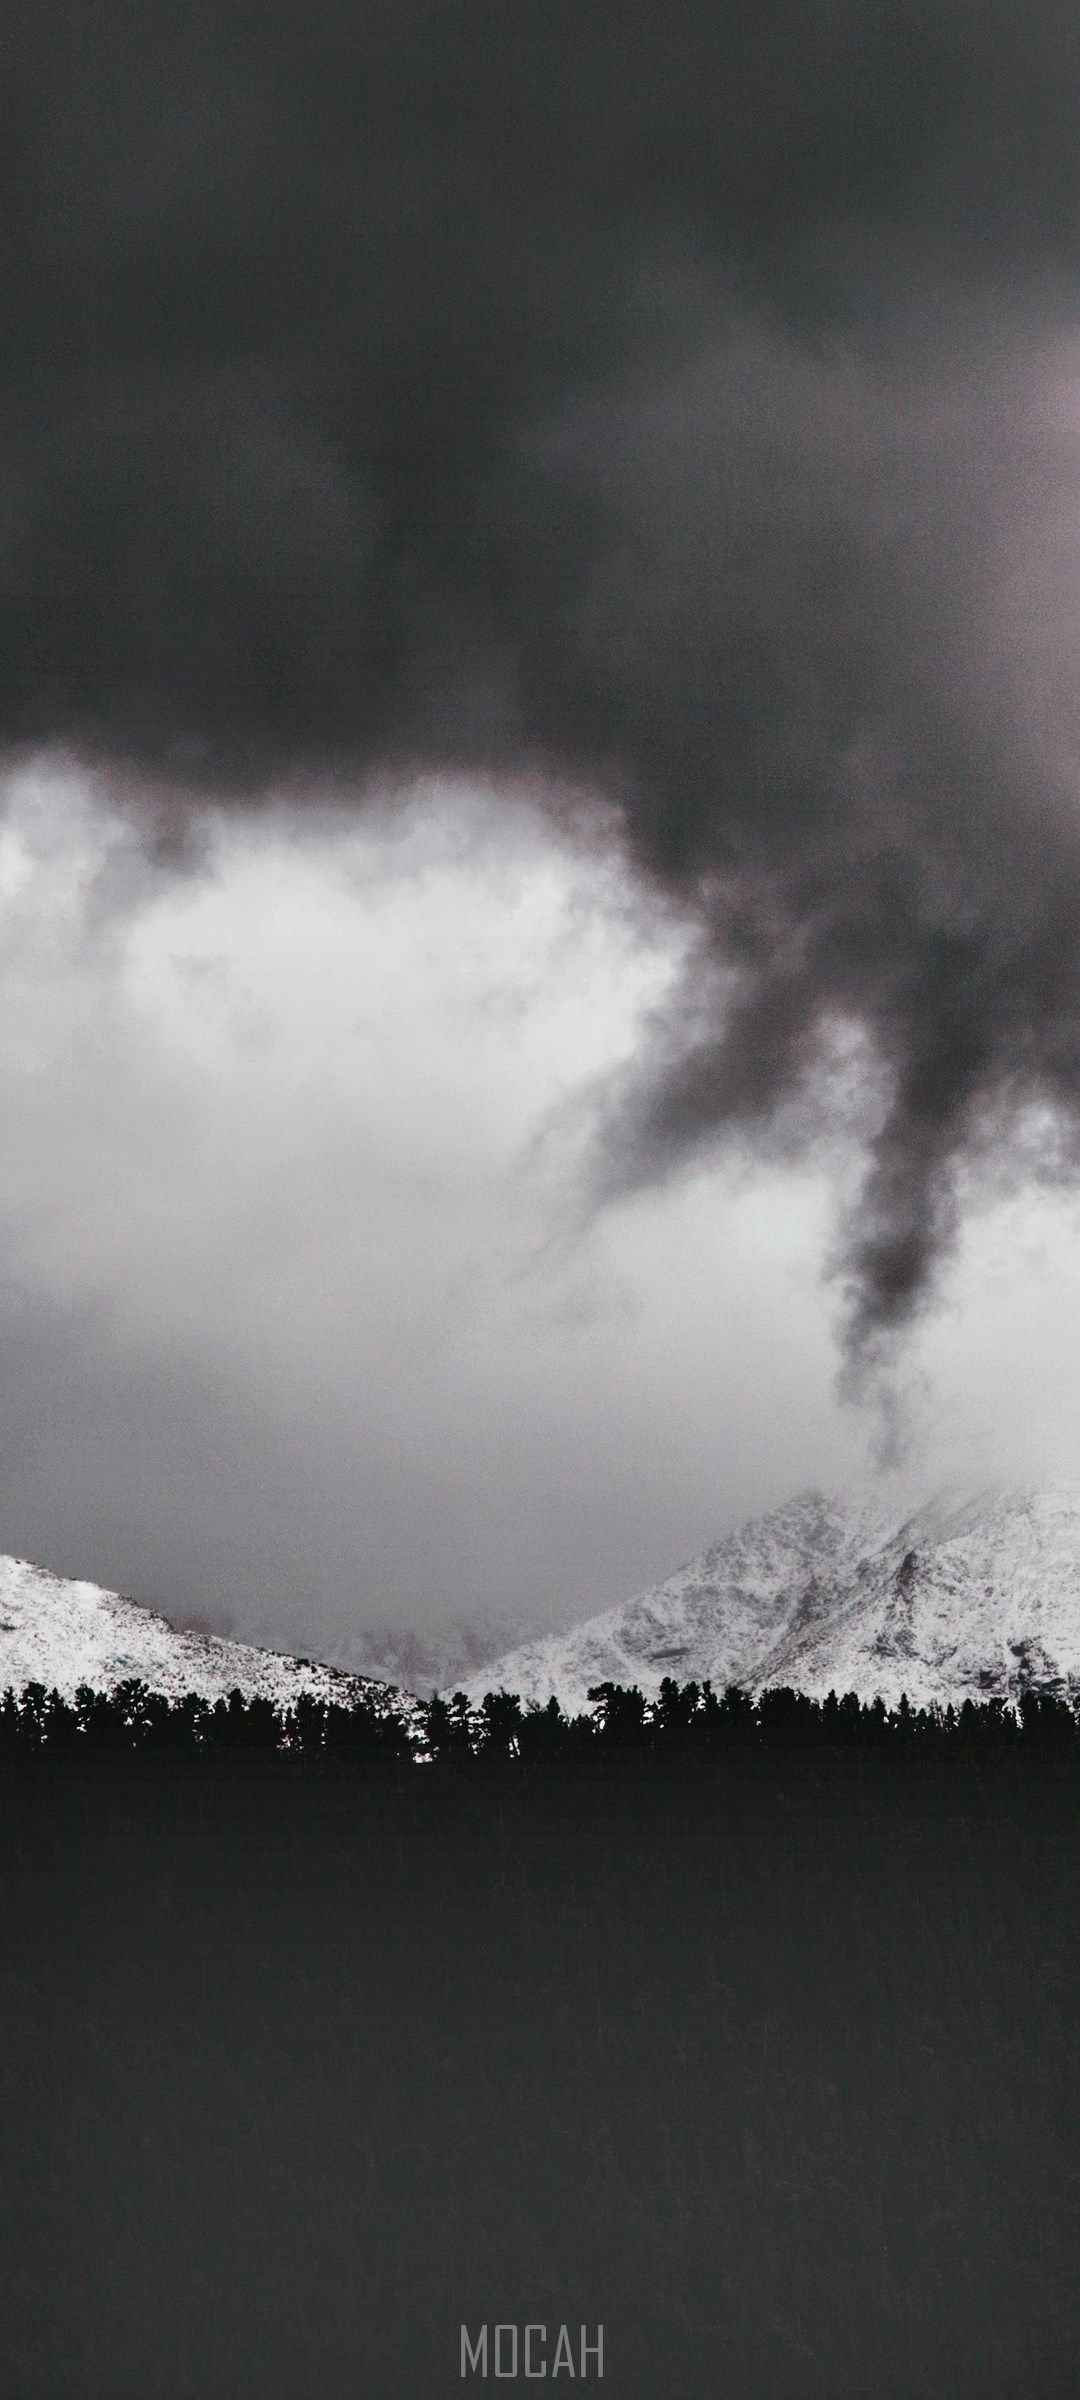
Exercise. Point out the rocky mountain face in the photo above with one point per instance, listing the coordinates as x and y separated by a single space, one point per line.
965 1598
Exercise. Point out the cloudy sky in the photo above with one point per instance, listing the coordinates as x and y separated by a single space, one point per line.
309 1319
540 754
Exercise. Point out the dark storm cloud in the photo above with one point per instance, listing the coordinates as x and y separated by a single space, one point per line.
644 397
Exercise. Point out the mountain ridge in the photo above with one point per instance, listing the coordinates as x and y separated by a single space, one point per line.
64 1632
971 1595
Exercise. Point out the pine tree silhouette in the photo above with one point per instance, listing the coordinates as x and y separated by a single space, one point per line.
500 1725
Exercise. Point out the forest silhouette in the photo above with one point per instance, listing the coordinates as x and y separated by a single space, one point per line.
684 1720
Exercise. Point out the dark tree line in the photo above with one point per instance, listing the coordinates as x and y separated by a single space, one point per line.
685 1719
692 1717
133 1718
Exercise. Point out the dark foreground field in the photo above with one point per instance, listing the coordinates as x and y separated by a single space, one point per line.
769 2065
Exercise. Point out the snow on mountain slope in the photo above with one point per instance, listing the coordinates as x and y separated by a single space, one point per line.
64 1634
717 1617
957 1601
958 1604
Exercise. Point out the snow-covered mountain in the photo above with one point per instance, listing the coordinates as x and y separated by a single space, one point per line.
961 1599
64 1634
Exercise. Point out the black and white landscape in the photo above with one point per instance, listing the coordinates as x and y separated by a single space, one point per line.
960 1600
965 1598
539 1019
67 1635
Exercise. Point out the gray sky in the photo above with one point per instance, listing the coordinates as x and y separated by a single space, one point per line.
303 1323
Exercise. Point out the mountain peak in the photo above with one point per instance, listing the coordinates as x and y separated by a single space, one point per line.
968 1595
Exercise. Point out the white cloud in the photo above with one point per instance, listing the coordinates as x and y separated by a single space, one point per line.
291 1318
